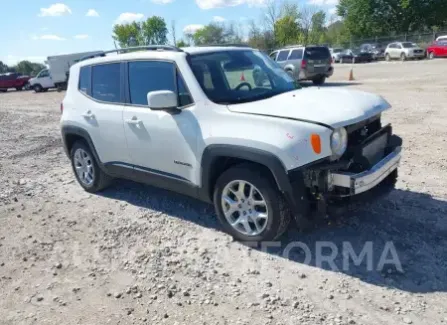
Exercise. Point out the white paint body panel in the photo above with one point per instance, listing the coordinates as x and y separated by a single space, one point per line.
163 138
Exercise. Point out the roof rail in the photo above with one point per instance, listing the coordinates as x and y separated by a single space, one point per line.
134 48
224 45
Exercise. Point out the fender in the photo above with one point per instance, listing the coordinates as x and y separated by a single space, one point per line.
272 162
75 130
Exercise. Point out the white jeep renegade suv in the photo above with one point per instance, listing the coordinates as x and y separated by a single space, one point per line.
194 121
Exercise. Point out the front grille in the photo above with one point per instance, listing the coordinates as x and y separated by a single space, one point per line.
357 133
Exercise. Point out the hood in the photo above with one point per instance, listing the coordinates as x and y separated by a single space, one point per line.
334 107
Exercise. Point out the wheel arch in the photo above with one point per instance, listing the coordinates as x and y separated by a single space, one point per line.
71 134
218 158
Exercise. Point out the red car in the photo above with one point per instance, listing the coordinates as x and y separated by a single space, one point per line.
437 49
13 80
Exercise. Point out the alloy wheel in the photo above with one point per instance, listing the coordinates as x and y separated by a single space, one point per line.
245 208
83 164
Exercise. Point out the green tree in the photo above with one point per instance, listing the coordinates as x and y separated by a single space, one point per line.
182 43
124 33
3 67
154 31
29 68
318 30
287 30
149 32
211 34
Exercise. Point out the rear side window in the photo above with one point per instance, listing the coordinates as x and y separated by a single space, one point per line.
147 76
296 55
282 56
85 79
106 83
317 53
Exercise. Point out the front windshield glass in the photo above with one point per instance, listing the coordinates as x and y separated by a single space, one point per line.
233 77
408 45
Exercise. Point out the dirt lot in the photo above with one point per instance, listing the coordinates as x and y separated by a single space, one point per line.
139 255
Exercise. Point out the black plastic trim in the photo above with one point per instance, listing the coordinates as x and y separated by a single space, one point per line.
272 162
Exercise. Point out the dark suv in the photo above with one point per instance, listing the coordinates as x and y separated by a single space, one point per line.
13 80
305 62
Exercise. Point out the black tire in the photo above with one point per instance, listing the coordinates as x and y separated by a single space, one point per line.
37 88
279 214
3 90
319 80
19 88
101 180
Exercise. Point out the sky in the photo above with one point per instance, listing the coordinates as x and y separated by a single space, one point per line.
41 28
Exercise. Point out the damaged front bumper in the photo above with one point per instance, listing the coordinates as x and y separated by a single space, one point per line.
357 183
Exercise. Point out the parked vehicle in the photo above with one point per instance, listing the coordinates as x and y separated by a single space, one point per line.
42 82
186 120
437 49
336 53
60 66
305 62
13 80
404 51
355 56
375 49
441 38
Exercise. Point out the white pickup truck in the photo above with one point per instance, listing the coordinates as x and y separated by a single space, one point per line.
194 121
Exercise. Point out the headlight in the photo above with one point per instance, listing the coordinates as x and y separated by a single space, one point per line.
339 142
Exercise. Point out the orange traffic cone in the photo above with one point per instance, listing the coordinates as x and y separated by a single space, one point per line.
351 75
242 77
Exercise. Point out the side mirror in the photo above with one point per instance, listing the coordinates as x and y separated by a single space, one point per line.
162 100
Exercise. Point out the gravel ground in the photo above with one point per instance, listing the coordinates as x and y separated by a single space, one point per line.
140 255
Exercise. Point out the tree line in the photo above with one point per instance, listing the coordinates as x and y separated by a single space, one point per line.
24 67
285 22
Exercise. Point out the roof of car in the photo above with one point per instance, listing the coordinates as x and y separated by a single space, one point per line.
167 54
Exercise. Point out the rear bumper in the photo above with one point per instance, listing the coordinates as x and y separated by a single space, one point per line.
362 182
306 75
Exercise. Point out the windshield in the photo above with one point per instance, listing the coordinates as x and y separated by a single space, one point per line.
233 77
408 45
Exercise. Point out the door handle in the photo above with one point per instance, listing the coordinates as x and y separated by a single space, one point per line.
133 121
88 114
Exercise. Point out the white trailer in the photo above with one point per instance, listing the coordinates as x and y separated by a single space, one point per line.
60 67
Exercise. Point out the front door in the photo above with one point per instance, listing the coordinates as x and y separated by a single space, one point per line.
161 144
45 80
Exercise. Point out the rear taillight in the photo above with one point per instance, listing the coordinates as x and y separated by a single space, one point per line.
303 64
62 108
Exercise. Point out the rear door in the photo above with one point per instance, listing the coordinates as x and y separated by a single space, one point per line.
99 109
295 59
318 59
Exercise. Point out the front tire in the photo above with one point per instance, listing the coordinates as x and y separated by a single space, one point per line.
37 88
249 204
403 57
431 55
387 57
86 170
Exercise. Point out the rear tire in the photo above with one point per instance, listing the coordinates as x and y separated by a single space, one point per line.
278 214
319 81
82 157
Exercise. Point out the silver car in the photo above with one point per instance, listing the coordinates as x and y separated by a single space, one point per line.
404 51
305 62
